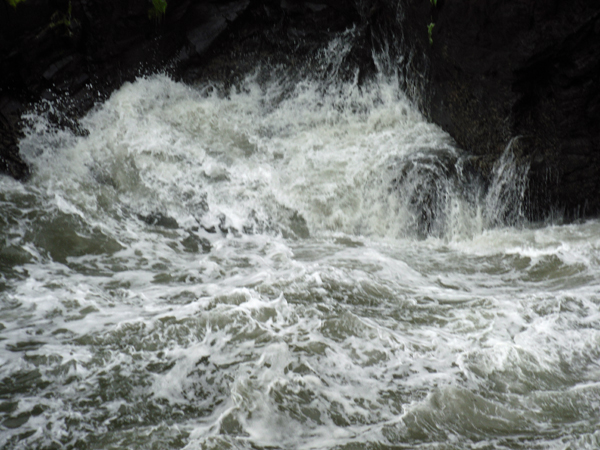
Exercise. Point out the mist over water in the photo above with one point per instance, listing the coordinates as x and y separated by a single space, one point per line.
301 266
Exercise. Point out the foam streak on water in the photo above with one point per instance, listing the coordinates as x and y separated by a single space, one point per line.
299 268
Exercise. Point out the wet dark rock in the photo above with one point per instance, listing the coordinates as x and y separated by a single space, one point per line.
489 72
85 49
82 50
425 182
210 20
275 38
504 69
10 161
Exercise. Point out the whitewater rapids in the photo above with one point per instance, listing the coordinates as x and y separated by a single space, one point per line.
301 267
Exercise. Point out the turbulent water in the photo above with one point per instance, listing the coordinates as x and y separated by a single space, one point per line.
306 267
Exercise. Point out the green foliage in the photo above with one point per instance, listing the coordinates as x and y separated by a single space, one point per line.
429 31
158 9
431 24
14 3
60 18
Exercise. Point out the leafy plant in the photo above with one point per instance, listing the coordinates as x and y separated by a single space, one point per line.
431 24
158 9
14 3
60 18
429 31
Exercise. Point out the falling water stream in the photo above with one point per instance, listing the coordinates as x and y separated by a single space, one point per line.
305 267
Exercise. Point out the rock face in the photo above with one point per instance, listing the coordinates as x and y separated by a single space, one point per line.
77 52
279 35
491 73
496 72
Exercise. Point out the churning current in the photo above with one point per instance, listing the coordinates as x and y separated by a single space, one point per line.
291 267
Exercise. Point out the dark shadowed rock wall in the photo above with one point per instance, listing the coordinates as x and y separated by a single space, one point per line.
77 52
491 73
499 71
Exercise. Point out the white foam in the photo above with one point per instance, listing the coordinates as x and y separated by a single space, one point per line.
318 317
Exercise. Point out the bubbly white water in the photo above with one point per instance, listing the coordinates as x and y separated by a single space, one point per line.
302 268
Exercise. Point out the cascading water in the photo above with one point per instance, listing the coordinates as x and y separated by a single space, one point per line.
304 265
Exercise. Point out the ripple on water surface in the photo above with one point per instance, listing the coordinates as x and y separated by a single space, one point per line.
238 271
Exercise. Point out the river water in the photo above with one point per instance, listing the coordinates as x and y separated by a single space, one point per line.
304 267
